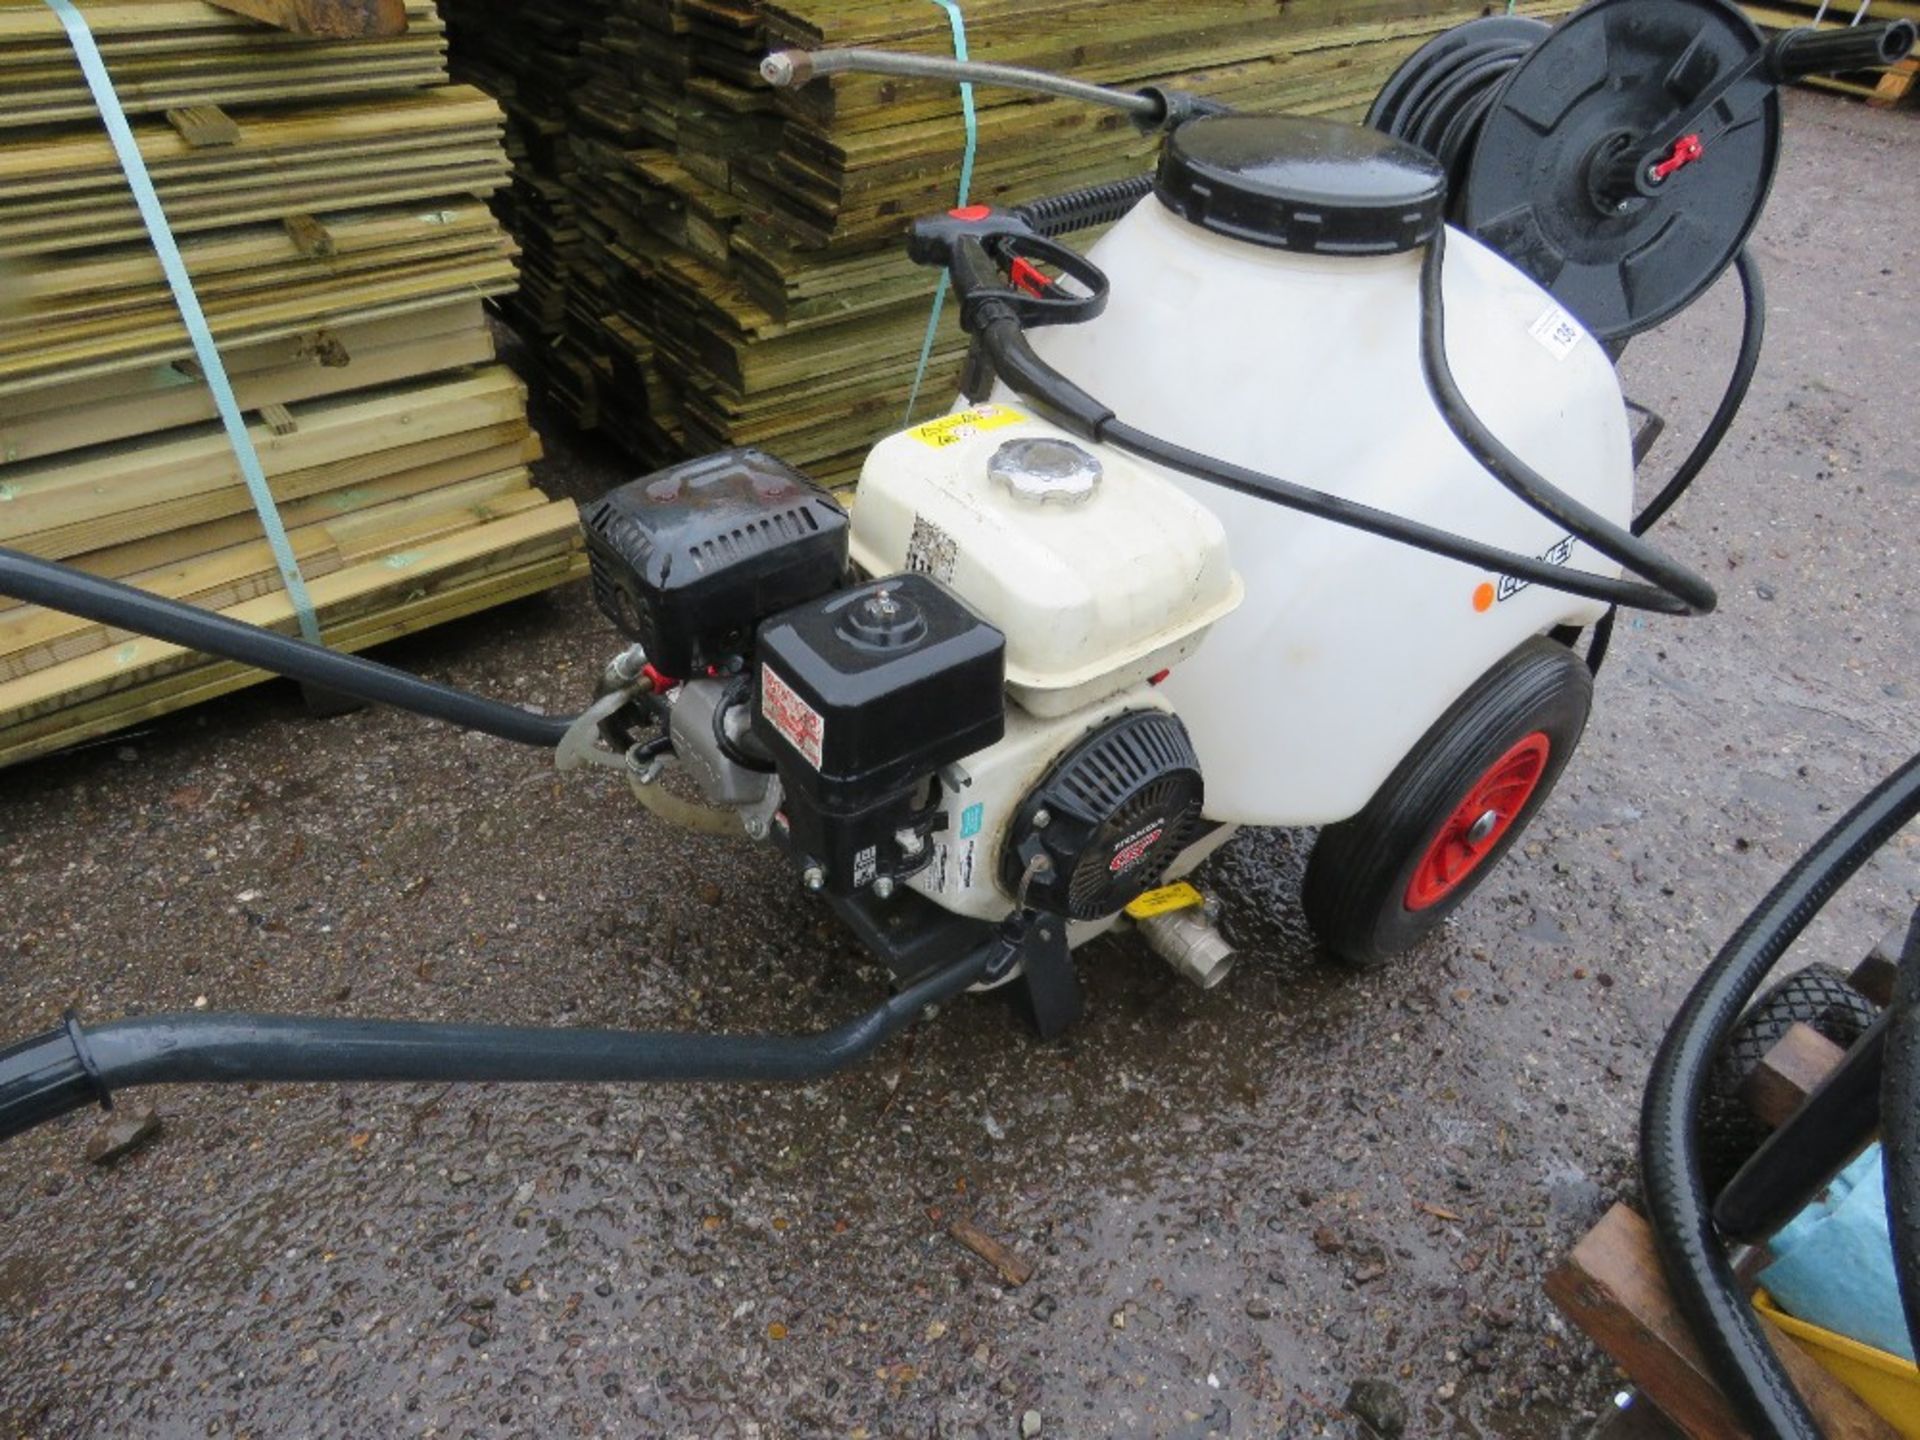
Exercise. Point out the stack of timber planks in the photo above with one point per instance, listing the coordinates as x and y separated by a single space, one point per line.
738 276
343 250
1895 86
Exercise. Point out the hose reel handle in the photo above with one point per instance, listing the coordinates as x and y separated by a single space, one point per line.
1804 52
46 1077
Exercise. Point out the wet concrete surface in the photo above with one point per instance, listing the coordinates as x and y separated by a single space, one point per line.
1236 1202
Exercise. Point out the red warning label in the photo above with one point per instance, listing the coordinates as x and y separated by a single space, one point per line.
804 727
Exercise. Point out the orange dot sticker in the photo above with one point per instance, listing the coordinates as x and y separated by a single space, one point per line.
1484 597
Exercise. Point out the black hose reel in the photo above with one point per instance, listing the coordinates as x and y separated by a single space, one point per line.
1622 158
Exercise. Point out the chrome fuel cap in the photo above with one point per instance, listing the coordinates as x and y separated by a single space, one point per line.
1042 471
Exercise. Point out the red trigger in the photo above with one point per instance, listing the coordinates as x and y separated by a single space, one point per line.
1028 277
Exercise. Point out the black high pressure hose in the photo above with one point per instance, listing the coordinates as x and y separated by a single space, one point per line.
1676 590
1753 335
1097 205
1690 1249
108 602
72 1067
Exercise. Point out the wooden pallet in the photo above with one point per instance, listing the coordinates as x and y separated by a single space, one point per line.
1613 1289
1898 86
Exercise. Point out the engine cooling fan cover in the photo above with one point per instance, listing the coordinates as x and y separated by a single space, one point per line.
1108 820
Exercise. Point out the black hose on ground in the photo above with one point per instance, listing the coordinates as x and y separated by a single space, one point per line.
1900 1122
1696 1266
66 1069
107 602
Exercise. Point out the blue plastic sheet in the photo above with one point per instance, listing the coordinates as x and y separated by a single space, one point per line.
1835 1262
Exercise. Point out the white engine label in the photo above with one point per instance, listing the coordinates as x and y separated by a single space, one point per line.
931 550
790 714
1557 331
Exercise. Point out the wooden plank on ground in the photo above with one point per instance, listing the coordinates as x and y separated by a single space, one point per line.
1613 1289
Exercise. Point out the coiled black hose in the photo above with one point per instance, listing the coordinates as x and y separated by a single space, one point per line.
1439 98
1690 1251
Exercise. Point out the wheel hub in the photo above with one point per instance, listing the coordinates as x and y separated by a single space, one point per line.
1479 822
1483 827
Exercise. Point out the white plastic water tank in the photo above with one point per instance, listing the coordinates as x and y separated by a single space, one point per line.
1275 322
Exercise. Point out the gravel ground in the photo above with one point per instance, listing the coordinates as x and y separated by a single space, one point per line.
1236 1203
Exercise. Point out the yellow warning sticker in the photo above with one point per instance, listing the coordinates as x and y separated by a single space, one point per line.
1165 900
965 424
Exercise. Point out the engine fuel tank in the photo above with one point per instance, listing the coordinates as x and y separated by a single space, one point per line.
1100 573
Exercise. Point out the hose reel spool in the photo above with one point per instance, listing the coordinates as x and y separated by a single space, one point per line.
1535 124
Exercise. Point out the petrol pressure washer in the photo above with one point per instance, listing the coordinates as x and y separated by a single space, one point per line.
1077 631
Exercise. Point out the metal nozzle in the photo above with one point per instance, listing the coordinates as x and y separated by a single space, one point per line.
787 69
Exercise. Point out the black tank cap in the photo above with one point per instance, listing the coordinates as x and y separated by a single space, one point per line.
1318 187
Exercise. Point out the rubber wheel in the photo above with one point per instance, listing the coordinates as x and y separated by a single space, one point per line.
1380 883
1818 996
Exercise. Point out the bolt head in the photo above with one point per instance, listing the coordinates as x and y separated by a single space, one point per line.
883 888
1042 819
814 879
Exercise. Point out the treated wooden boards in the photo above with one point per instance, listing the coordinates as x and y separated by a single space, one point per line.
336 19
88 499
170 54
315 362
342 254
720 264
65 191
111 312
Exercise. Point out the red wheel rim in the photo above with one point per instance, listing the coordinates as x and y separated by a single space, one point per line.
1479 822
